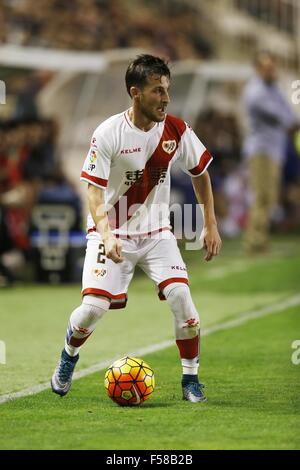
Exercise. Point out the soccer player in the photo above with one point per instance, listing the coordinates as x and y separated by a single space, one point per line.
128 174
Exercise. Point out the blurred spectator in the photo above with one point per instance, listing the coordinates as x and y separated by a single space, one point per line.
278 13
2 26
291 185
220 133
57 189
25 88
179 31
270 120
29 174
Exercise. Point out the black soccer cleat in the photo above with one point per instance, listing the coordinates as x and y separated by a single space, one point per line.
62 378
193 392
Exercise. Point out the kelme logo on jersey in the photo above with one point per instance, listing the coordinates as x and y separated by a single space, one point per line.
169 146
130 151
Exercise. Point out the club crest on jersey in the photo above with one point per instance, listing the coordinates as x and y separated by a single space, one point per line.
99 273
169 146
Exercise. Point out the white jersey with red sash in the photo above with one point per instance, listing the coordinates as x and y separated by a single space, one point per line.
134 168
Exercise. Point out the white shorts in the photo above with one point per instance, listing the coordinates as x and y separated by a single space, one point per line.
158 257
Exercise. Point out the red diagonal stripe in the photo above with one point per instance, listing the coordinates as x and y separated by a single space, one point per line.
139 191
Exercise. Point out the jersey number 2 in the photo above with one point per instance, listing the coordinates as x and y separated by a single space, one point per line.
101 254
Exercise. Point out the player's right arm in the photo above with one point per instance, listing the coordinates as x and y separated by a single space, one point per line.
97 209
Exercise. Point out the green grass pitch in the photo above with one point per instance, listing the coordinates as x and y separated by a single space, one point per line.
251 383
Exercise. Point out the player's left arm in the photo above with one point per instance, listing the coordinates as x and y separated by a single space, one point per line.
203 191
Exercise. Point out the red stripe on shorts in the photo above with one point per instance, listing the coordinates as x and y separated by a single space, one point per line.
165 283
105 293
121 299
115 305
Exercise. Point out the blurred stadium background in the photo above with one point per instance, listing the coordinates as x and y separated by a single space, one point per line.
63 67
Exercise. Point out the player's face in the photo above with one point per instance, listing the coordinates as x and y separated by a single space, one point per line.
267 70
154 98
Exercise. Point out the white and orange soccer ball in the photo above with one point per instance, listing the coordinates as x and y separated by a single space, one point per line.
129 381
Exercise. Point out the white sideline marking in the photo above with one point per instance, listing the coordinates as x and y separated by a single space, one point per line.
240 320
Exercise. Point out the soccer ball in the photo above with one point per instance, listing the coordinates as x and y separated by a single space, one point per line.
129 381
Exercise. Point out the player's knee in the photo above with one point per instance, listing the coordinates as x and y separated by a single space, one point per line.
179 298
177 292
84 318
95 306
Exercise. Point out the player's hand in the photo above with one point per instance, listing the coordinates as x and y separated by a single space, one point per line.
113 249
212 242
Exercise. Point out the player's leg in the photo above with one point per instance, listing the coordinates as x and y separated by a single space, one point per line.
163 263
82 323
187 334
104 284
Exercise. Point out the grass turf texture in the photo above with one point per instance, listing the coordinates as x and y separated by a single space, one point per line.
252 386
253 392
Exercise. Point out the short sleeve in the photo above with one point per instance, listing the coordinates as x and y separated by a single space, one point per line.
96 167
194 158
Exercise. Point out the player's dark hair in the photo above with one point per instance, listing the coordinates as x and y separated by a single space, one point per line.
142 67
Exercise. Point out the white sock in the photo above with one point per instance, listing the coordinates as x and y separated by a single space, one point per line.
83 321
190 366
